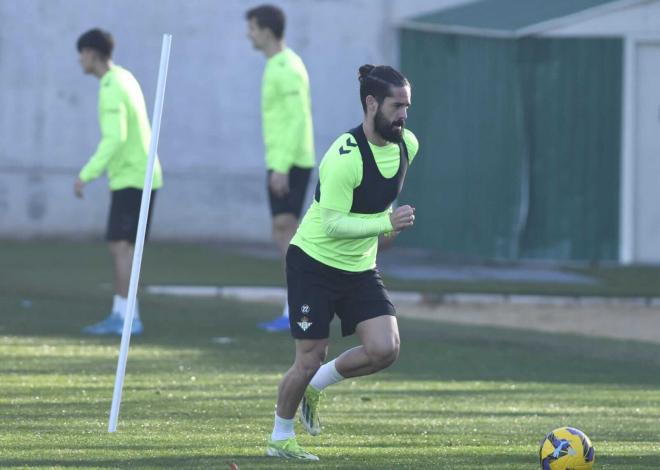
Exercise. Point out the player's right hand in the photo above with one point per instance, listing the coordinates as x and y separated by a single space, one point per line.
78 187
402 218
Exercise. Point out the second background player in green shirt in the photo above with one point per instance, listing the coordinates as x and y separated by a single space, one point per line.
287 130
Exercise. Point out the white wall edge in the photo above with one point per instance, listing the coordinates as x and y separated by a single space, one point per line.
628 125
627 182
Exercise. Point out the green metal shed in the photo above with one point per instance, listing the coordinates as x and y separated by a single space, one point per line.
521 133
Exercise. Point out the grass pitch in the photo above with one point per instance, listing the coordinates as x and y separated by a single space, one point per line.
458 398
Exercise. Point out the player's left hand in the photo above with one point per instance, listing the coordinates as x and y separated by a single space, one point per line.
78 187
279 183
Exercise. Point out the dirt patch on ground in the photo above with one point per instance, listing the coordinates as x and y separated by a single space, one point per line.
627 322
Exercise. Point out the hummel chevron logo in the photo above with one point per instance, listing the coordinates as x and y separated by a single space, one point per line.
349 143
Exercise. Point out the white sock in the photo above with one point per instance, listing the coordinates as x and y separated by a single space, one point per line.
283 429
285 312
326 376
119 305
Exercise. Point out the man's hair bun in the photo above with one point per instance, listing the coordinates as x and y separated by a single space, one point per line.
365 70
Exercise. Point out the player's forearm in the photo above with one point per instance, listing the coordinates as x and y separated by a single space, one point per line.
339 225
280 159
114 132
287 135
282 146
99 161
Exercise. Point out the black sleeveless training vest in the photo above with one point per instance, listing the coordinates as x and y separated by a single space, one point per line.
375 192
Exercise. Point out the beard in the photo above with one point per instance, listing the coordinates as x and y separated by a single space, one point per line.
388 130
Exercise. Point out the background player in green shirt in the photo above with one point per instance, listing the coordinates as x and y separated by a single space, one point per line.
122 154
331 262
287 129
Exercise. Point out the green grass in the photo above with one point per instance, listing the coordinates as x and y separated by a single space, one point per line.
458 398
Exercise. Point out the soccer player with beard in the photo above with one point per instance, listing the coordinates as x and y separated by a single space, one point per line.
331 261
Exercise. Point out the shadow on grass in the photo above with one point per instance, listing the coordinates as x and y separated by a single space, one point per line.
52 290
650 462
430 350
492 462
249 463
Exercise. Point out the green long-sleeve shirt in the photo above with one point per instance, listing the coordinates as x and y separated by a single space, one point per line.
125 134
286 113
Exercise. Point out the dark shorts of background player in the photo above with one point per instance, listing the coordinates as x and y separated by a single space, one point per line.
317 292
291 203
125 215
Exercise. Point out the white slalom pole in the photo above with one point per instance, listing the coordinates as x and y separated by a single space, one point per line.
142 228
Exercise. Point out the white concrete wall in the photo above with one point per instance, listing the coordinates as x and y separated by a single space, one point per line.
210 144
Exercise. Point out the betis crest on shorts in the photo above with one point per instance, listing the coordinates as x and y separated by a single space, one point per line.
304 322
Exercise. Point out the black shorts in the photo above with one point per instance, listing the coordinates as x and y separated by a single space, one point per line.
317 292
291 203
125 215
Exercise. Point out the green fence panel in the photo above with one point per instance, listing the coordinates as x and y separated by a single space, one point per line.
520 145
465 110
572 91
